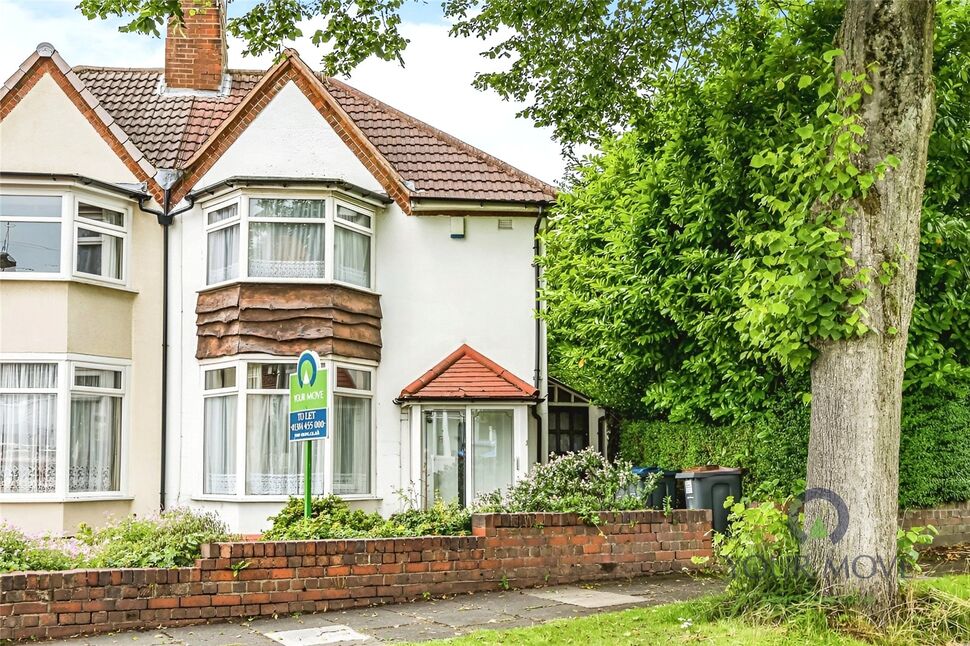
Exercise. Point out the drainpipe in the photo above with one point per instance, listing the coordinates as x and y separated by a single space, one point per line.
166 178
537 377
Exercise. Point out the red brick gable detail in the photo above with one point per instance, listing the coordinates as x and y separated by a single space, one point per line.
41 65
467 374
293 69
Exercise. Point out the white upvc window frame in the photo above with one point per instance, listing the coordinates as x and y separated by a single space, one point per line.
356 393
330 221
70 221
242 391
66 364
520 441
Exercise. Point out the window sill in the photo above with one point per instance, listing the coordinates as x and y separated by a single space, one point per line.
53 498
274 499
286 281
67 279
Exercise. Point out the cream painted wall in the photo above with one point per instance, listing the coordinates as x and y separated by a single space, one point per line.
45 133
290 138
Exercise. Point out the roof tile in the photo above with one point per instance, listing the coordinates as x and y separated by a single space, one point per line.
169 129
467 374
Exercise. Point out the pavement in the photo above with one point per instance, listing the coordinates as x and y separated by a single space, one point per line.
423 620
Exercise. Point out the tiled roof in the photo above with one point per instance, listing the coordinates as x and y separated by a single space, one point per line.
169 128
466 374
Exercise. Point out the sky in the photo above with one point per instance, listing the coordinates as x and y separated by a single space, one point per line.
434 86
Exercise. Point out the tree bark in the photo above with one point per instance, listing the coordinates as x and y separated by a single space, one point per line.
857 383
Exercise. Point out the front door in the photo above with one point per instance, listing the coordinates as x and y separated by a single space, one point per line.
568 429
444 456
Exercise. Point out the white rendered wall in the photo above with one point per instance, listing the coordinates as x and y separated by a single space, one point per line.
290 138
436 293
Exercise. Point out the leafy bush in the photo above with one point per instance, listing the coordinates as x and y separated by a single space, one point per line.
172 539
19 552
934 461
582 483
331 517
169 540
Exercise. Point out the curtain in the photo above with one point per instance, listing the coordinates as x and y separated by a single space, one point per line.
351 445
274 465
223 255
28 429
352 258
219 445
95 443
492 450
286 250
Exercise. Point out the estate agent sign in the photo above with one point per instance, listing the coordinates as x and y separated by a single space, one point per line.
308 413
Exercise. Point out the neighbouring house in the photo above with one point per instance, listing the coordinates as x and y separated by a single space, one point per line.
171 239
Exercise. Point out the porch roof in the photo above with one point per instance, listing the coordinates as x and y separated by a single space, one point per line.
466 374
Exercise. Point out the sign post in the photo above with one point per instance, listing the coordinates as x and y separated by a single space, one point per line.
308 413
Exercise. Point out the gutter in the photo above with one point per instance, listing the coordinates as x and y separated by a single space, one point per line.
167 179
537 377
325 182
80 180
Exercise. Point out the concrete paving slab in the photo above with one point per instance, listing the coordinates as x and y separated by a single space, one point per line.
229 634
145 638
318 636
586 598
369 618
416 632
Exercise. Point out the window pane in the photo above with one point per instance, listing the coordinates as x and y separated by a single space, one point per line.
97 378
223 263
270 376
352 261
225 213
274 465
221 378
31 206
269 208
28 375
354 379
100 214
353 216
351 445
28 441
95 443
286 250
99 253
30 247
219 443
492 450
444 456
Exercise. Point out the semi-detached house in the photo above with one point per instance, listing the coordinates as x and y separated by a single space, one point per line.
171 239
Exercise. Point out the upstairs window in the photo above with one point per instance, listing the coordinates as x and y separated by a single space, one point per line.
63 235
289 239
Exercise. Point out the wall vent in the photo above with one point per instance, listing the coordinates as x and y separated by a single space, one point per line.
504 223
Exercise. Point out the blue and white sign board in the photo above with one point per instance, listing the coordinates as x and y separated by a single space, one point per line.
308 399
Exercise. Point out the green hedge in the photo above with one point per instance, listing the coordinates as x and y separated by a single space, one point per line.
934 451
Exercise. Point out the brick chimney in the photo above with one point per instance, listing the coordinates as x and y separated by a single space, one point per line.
195 53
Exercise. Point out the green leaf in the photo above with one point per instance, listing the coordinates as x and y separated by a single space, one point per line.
804 81
805 131
830 55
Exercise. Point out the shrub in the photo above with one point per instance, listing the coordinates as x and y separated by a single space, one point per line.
19 552
583 483
331 517
172 539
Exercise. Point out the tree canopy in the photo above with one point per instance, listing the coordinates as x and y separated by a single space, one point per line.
695 262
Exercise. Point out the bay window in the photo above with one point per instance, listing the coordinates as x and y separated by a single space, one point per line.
245 431
47 235
40 398
289 239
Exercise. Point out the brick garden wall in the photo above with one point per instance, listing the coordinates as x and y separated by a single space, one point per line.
952 521
264 578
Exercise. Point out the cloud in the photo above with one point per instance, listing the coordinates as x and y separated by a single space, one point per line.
434 86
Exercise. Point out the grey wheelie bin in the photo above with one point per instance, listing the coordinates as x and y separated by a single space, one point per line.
666 486
708 488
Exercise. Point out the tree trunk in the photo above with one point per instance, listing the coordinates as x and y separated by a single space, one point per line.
857 384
